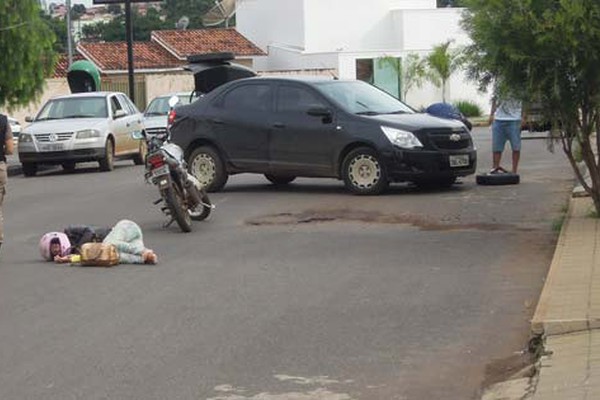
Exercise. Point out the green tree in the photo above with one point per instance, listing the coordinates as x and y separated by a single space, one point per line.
410 69
114 9
442 62
59 28
77 11
548 51
193 9
115 30
28 57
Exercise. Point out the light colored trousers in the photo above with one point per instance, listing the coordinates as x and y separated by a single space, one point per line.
127 237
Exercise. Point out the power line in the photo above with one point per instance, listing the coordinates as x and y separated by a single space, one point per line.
15 26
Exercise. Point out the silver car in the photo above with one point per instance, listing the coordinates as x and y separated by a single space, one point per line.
156 114
15 128
82 127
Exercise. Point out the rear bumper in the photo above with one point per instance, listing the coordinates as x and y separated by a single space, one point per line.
57 157
410 165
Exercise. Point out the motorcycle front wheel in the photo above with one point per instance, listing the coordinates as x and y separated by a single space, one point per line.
179 212
202 211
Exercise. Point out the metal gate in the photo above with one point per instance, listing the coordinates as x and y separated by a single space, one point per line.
121 84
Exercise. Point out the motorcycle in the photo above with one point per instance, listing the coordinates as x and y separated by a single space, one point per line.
183 196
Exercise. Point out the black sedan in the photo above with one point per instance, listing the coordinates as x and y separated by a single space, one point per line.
290 127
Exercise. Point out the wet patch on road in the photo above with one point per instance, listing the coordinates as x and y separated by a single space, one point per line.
374 217
229 392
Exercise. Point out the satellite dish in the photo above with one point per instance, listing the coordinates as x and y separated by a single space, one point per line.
183 23
221 12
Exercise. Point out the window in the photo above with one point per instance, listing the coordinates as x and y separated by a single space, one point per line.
296 99
129 106
115 105
248 98
74 107
380 72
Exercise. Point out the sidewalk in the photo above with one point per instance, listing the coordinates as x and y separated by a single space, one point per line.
568 312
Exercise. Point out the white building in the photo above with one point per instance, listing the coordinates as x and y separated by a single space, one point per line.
351 35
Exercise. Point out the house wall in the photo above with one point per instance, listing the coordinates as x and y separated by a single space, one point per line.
413 4
52 88
160 84
265 22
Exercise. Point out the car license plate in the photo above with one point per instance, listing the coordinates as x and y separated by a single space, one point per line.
459 161
52 147
164 170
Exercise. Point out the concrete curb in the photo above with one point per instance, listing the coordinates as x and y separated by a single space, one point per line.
567 303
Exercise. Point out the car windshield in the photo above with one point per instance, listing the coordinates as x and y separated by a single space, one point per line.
74 107
358 97
160 105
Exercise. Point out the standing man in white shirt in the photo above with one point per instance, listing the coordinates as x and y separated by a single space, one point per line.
505 118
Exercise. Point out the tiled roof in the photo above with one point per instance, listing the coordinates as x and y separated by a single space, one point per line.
62 65
184 43
112 56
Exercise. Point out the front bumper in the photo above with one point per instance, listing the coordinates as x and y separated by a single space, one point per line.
58 157
410 165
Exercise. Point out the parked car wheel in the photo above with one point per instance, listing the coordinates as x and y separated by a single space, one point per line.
29 169
108 162
363 172
140 157
69 166
279 179
206 165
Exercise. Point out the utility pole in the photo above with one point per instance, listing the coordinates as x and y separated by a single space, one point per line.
129 31
69 34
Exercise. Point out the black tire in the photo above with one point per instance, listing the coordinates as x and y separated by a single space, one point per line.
140 157
208 167
69 166
364 172
436 183
498 179
29 169
279 179
205 208
179 212
107 163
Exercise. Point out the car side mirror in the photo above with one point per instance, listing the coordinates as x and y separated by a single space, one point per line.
120 114
138 135
322 112
29 119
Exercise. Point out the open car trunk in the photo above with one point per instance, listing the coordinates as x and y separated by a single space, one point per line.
213 70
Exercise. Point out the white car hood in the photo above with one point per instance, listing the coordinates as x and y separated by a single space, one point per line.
66 125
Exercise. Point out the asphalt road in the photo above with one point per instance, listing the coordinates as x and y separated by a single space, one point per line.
299 293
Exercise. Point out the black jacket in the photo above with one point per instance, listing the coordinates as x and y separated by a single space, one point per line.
80 234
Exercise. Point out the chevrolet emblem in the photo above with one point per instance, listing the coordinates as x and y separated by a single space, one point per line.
455 137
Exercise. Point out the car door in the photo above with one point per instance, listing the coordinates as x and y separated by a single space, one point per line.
133 123
240 122
301 143
119 127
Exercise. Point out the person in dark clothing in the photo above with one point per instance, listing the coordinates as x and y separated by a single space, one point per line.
6 148
80 234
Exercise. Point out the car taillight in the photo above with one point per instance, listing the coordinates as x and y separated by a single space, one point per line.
156 160
171 118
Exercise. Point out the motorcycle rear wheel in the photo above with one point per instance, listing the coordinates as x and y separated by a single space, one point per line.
179 212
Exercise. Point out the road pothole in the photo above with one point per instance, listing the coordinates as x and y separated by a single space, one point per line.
374 217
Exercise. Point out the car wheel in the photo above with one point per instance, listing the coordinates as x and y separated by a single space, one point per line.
140 157
69 166
107 163
363 172
279 179
208 167
436 183
29 169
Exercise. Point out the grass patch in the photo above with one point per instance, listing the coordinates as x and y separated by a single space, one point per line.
558 223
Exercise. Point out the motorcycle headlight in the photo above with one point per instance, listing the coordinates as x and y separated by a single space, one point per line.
87 133
400 138
25 138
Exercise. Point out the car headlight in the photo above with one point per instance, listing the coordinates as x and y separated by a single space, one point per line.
400 138
87 133
25 138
